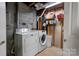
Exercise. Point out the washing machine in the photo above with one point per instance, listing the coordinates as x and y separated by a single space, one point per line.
42 44
26 43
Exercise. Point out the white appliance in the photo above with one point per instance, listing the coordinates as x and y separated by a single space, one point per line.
42 43
26 43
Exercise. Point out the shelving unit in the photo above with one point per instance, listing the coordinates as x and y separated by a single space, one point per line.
51 30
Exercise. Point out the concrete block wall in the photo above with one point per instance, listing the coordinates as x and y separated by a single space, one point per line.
10 17
27 16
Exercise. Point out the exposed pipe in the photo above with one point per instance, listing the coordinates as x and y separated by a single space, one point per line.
50 6
43 12
32 4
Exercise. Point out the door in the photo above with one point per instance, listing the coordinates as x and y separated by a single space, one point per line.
2 29
71 29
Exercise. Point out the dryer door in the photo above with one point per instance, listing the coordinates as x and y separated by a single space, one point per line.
43 39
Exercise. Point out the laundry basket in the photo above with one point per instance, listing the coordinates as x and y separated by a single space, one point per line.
49 41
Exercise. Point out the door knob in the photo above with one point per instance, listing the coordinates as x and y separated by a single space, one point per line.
31 34
65 40
2 42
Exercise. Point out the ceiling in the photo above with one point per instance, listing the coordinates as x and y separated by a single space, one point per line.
40 6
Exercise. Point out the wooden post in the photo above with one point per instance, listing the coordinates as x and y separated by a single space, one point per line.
61 41
51 31
54 36
40 24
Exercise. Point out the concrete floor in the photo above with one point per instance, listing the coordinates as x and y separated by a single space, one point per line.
52 51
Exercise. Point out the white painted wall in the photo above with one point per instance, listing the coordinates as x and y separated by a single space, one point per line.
2 28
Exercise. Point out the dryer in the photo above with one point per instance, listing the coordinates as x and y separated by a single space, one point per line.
42 43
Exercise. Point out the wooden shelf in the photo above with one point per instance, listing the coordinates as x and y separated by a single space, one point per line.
50 19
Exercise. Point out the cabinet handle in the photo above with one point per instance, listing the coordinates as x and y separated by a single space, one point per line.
2 42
